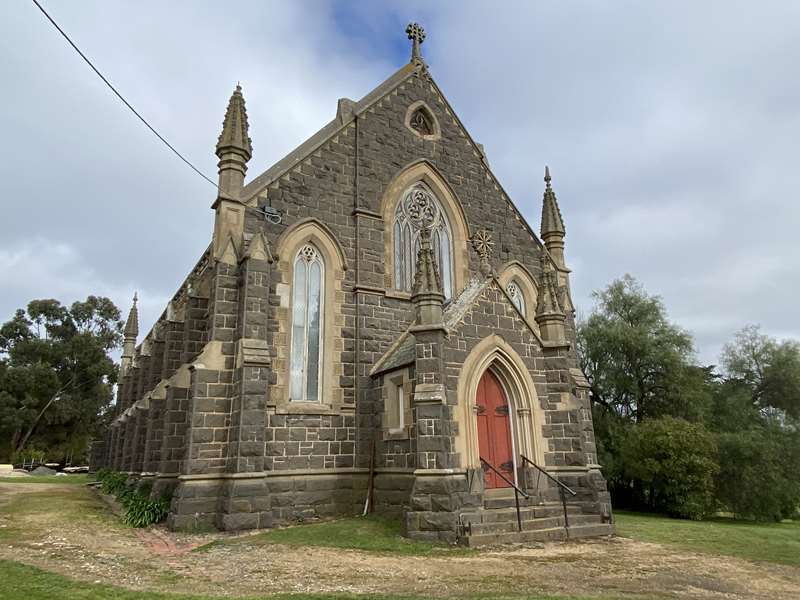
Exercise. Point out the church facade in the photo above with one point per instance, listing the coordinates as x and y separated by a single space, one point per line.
374 326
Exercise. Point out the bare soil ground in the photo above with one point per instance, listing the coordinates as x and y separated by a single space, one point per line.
70 530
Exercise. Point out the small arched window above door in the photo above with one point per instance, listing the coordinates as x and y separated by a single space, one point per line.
307 333
417 206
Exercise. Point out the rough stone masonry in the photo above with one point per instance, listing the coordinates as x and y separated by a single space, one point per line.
373 324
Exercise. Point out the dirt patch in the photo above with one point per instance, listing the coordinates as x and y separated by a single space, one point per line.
68 529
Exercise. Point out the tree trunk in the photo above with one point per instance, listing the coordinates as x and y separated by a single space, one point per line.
18 447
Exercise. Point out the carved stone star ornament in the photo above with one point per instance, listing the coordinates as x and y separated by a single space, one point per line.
484 246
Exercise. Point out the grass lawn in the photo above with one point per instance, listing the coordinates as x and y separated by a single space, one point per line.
76 479
19 582
373 534
774 542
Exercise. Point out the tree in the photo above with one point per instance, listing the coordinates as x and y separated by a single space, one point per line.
768 368
637 362
675 463
758 476
56 375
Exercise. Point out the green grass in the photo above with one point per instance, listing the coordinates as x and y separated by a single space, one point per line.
32 512
372 534
76 479
773 542
29 583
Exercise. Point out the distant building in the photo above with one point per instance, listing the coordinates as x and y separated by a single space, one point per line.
373 302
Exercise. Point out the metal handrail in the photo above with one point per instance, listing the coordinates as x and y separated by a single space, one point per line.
561 488
517 490
533 464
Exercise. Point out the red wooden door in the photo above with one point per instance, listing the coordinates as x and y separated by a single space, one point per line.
494 430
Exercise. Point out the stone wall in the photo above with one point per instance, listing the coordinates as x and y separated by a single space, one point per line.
237 453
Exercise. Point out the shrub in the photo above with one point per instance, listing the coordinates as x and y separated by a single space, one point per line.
758 478
140 511
672 464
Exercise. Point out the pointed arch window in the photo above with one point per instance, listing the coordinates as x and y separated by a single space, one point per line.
419 205
515 293
421 122
307 310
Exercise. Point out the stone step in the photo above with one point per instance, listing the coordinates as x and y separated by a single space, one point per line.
552 534
511 525
508 502
526 512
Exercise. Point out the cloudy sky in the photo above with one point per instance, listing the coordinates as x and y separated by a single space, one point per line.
672 130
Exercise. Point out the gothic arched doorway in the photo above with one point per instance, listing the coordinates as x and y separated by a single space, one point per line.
494 430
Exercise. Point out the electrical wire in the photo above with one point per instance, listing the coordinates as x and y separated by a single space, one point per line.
113 89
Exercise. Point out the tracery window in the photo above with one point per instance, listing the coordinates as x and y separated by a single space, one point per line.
517 298
307 310
419 206
421 122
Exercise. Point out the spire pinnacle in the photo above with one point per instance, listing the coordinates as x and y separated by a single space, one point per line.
548 300
416 34
132 324
552 222
426 279
235 128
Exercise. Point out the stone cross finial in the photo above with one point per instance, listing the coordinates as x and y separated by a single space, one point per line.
417 35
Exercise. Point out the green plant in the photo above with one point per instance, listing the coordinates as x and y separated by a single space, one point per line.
673 464
140 511
113 483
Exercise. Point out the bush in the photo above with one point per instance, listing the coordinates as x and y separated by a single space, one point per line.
671 464
140 511
113 483
758 478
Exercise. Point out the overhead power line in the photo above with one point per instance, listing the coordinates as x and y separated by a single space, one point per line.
125 102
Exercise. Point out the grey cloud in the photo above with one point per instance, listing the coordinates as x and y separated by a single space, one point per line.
671 130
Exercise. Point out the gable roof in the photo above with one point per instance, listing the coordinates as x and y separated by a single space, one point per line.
347 113
343 118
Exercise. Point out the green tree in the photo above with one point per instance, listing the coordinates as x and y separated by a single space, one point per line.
674 463
758 476
56 375
768 368
639 365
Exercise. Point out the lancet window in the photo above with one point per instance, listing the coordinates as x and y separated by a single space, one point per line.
307 332
515 293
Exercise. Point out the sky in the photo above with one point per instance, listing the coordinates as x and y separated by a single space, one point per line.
672 131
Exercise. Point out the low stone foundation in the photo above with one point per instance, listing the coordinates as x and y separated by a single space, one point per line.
436 500
263 500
